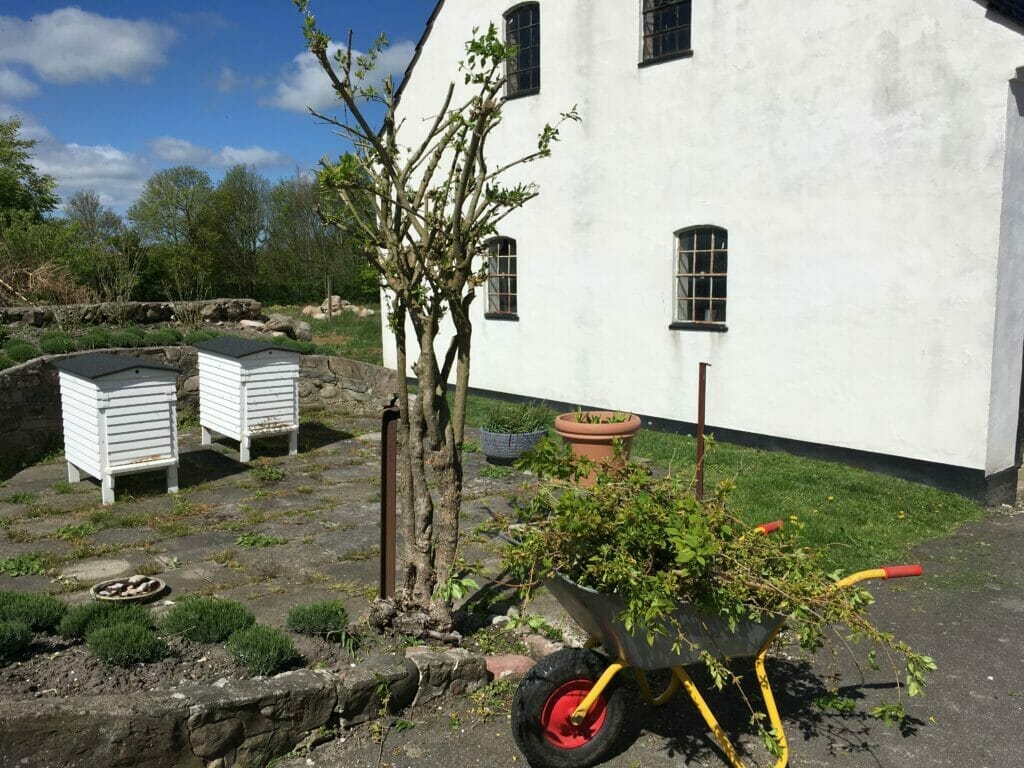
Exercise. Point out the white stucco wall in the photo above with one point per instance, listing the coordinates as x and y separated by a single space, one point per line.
853 149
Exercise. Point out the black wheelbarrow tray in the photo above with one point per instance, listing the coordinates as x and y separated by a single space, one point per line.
567 713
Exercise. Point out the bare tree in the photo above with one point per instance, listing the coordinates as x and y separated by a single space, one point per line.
434 205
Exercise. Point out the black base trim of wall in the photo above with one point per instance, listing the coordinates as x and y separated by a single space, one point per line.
997 488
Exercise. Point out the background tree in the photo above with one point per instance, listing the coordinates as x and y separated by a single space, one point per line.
22 187
173 217
436 198
240 218
301 242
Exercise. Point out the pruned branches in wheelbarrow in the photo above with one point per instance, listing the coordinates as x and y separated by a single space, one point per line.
660 580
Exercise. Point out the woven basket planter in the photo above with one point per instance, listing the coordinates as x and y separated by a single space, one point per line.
503 446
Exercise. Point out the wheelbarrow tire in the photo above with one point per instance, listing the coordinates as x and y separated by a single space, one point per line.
545 700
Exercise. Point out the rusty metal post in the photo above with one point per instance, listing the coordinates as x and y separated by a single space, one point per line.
701 397
388 496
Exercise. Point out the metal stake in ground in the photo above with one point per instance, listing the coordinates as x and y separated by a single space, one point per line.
701 396
388 481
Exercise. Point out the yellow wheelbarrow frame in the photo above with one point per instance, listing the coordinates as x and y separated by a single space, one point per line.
681 679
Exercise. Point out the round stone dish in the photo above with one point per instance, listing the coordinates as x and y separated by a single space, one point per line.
158 590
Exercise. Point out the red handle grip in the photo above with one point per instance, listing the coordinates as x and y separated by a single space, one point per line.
899 571
770 527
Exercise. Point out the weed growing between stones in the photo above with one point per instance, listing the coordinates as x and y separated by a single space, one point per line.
263 650
19 498
32 563
259 540
126 644
40 612
266 474
83 619
206 619
14 638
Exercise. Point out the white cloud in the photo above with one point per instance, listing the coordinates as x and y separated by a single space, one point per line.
306 85
14 86
70 45
184 152
117 176
228 80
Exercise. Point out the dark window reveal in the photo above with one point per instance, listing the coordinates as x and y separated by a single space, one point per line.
702 260
501 277
666 28
522 29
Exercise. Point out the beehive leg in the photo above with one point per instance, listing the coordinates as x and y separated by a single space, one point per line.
73 474
293 443
107 488
207 438
243 449
172 478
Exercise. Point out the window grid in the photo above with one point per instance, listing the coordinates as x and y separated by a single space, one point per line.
522 29
702 261
666 28
501 276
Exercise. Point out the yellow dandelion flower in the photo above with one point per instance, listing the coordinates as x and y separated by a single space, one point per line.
831 498
901 515
792 518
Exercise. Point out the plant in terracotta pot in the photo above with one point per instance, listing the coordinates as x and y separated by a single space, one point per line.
649 544
604 437
510 429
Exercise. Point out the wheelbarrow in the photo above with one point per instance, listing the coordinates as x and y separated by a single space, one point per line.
568 711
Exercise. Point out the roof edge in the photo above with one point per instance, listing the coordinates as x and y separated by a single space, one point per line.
419 47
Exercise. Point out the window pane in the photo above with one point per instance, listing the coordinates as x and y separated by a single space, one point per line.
721 262
702 259
718 287
703 238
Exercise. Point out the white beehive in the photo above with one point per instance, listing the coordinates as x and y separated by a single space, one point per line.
120 417
248 389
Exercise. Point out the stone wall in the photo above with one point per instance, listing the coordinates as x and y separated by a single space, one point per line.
30 415
139 312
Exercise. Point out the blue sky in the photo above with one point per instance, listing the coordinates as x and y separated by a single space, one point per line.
116 90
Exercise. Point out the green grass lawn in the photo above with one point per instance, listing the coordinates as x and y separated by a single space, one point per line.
345 334
860 519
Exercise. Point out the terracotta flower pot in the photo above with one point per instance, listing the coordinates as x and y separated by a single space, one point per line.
595 441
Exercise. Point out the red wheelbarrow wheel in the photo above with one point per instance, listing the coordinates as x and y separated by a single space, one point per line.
545 701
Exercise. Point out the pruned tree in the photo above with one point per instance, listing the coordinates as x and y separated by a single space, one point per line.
435 202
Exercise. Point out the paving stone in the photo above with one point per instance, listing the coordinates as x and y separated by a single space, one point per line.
96 569
31 583
196 546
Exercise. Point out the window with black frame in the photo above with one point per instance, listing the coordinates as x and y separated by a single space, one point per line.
702 263
501 279
522 29
666 29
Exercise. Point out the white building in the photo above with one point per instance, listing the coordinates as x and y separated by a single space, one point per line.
850 171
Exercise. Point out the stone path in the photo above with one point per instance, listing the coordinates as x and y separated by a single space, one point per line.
282 531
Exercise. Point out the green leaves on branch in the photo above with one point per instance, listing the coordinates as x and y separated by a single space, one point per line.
651 542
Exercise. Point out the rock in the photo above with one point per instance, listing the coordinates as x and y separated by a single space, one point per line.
319 316
508 665
539 646
279 334
281 323
303 331
334 301
255 324
309 310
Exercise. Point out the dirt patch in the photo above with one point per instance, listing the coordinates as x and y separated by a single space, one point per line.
53 667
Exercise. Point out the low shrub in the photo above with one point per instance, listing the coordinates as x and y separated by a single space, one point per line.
128 336
5 361
41 612
20 351
126 644
14 638
263 650
194 337
162 337
95 338
327 619
56 343
81 620
206 619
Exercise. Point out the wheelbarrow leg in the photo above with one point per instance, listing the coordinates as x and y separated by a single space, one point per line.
649 697
709 718
769 704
